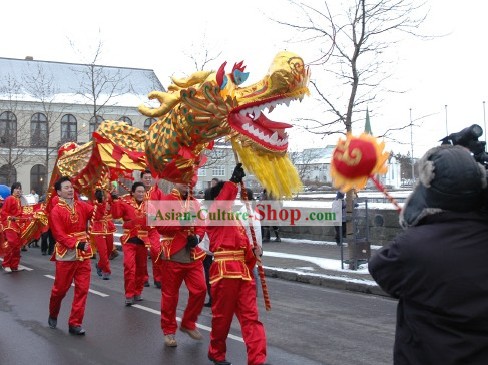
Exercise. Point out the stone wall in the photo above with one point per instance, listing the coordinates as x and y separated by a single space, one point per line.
383 227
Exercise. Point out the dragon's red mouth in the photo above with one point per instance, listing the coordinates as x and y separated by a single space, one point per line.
251 122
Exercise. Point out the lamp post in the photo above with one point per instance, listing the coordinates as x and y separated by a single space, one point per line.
411 146
484 120
447 130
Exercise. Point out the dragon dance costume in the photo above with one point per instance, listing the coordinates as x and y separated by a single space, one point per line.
102 233
234 288
134 242
177 265
11 210
154 237
68 225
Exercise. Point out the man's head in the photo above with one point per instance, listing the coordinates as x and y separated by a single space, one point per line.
182 188
64 188
340 195
16 189
147 179
450 179
138 191
33 191
214 182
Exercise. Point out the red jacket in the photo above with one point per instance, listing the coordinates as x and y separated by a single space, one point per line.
68 227
11 208
175 236
102 222
233 254
134 217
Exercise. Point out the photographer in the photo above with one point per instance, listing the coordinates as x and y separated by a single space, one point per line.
438 268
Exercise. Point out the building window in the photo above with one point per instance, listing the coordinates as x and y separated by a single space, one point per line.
148 122
69 128
94 124
8 129
37 178
202 171
126 119
218 171
38 130
8 175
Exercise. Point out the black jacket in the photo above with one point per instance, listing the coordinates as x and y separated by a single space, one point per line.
439 272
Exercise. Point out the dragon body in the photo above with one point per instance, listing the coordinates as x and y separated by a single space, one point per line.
193 112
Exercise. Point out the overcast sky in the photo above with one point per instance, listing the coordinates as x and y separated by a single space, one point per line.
158 35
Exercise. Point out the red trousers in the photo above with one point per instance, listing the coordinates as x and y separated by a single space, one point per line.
174 273
105 245
66 273
12 255
236 296
154 238
135 267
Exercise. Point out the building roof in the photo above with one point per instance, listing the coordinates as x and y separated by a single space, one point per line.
71 81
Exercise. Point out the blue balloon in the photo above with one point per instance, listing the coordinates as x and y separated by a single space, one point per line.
4 191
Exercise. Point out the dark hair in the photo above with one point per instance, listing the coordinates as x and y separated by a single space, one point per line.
250 194
215 179
62 179
215 191
15 185
146 171
136 185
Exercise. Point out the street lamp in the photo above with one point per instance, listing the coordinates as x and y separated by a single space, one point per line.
447 131
411 146
484 119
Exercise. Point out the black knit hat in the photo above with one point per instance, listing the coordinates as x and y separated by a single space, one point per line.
450 179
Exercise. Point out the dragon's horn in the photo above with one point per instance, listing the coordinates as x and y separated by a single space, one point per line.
195 78
168 101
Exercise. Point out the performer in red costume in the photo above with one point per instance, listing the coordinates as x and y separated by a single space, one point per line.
102 232
153 193
68 220
11 217
132 209
233 285
181 260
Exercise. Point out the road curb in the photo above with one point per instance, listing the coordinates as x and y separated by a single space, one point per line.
329 281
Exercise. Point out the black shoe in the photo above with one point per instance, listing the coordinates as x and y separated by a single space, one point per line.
52 322
208 304
99 271
146 284
79 331
157 284
278 239
44 253
224 362
23 248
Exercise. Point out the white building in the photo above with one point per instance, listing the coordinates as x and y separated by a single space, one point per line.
45 104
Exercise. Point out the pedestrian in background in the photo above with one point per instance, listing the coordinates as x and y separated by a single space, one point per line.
437 269
339 206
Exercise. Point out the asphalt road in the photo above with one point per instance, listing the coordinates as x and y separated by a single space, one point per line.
307 325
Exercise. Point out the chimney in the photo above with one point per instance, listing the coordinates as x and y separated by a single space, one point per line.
29 58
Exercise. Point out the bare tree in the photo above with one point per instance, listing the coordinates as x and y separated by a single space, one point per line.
353 59
40 85
306 161
100 86
14 131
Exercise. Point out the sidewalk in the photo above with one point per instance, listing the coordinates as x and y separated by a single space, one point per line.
316 263
313 262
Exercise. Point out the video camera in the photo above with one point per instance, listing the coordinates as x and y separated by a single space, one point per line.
468 137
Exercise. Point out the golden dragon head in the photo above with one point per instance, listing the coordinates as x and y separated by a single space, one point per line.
208 105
